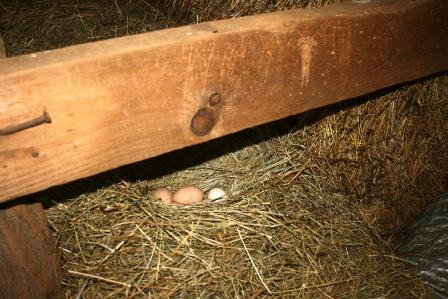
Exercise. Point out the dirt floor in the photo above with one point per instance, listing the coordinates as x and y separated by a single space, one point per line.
316 204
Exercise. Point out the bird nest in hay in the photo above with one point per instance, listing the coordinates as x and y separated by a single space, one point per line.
314 203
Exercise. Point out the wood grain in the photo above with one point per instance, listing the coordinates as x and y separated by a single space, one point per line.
123 100
29 264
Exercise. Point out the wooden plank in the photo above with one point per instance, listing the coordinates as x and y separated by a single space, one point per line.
29 264
123 100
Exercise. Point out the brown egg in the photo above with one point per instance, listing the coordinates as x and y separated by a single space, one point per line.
163 194
188 195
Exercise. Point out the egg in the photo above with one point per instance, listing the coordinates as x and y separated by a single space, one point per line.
216 193
188 195
163 194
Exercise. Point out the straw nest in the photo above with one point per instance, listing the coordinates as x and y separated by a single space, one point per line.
316 202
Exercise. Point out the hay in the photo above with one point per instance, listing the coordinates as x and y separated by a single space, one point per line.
316 201
44 25
190 11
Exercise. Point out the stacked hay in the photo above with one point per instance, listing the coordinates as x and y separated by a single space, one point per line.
316 201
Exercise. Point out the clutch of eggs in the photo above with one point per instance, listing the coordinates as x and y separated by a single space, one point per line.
188 195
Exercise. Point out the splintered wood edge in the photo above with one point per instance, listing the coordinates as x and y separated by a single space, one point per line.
123 100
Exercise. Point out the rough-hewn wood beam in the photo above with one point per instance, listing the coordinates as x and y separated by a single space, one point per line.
123 100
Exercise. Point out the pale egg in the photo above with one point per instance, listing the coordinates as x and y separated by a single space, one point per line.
188 195
216 193
163 194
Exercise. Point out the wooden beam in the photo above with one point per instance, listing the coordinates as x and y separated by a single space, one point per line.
29 264
123 100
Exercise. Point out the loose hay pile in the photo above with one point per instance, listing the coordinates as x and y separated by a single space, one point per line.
316 201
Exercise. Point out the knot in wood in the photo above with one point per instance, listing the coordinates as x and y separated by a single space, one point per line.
214 99
202 122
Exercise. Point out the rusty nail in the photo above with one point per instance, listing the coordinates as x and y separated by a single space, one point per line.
214 99
45 118
202 122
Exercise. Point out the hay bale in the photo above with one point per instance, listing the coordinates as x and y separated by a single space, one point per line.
316 201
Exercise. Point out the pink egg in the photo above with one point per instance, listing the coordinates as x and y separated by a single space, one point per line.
188 195
163 194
